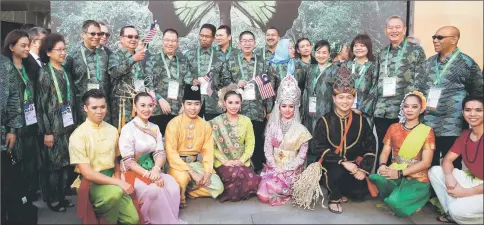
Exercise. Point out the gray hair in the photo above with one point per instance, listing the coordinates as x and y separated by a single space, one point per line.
36 31
395 17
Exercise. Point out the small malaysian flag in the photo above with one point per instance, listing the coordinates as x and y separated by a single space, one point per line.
151 34
265 86
208 78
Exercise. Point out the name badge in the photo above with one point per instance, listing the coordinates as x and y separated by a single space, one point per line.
67 118
249 92
203 85
355 103
30 115
173 88
139 84
92 86
312 105
389 86
433 98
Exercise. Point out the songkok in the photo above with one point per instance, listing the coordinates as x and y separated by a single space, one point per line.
192 93
344 84
289 91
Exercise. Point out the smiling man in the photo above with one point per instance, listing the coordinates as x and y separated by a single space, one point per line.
223 37
451 75
103 42
272 37
187 135
401 67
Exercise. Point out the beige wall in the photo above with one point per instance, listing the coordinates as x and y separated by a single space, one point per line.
465 15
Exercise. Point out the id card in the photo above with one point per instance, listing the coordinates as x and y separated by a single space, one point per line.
67 118
203 85
139 84
30 115
312 105
355 103
389 86
92 86
173 88
249 92
433 98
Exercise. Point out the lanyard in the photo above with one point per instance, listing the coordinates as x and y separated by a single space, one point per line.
399 57
168 69
98 69
264 54
229 51
326 65
198 60
25 78
56 84
242 69
137 70
440 74
362 73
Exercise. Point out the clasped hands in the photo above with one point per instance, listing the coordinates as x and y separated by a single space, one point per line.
454 189
155 176
354 170
388 172
200 180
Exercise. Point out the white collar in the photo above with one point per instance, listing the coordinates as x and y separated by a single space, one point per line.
36 57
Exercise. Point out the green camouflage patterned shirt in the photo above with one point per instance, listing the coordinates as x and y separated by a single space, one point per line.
178 68
462 77
363 84
279 71
223 56
97 65
265 53
199 67
409 70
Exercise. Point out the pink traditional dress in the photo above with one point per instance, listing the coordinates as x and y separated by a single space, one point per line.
142 143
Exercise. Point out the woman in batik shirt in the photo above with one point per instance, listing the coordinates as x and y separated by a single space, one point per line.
285 147
55 100
26 148
404 185
234 138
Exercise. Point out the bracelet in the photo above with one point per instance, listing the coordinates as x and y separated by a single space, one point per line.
155 167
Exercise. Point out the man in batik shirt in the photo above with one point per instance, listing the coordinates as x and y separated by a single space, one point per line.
401 66
450 76
223 37
88 66
272 37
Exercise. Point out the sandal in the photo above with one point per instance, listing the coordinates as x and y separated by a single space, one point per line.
445 219
183 206
338 204
344 199
57 208
66 203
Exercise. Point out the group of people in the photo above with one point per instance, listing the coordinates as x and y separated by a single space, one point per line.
144 133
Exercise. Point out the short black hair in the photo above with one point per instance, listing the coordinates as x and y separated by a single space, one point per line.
93 93
210 27
470 98
296 45
320 44
36 31
227 29
246 32
121 32
89 23
11 40
274 28
48 44
170 30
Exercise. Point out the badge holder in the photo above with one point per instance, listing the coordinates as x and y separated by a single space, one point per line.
30 114
433 98
249 92
93 84
173 89
389 86
67 118
312 105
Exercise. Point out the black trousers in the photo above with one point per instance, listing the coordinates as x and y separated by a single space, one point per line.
382 125
208 116
258 158
340 182
443 145
161 121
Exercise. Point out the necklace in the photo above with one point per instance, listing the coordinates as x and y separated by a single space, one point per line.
285 126
406 128
477 149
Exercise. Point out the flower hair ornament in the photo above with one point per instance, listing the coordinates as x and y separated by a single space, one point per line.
401 114
225 90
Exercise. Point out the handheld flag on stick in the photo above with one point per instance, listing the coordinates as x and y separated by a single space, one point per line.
150 35
265 86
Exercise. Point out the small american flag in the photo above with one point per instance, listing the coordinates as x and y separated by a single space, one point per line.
265 86
151 34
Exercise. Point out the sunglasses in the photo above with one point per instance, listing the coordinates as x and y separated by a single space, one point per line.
92 34
440 37
107 34
131 36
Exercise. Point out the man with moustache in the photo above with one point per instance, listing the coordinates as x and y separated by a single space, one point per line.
126 75
33 63
450 76
88 66
168 71
401 67
272 37
103 42
223 37
204 62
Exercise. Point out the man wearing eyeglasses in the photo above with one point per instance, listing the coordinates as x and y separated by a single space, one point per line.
88 66
401 66
241 69
168 71
127 75
203 64
103 42
450 76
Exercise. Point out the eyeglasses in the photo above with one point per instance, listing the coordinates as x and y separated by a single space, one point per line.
131 36
107 34
247 41
99 34
59 50
440 37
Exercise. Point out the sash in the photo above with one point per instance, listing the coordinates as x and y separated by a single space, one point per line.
226 135
411 146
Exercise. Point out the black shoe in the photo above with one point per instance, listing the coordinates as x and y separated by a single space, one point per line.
70 191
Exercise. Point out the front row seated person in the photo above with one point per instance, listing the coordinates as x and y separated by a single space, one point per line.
461 192
93 148
186 136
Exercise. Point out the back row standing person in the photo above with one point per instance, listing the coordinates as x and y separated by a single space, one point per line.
170 73
401 65
272 37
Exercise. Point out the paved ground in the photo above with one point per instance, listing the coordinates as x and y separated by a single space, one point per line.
208 211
